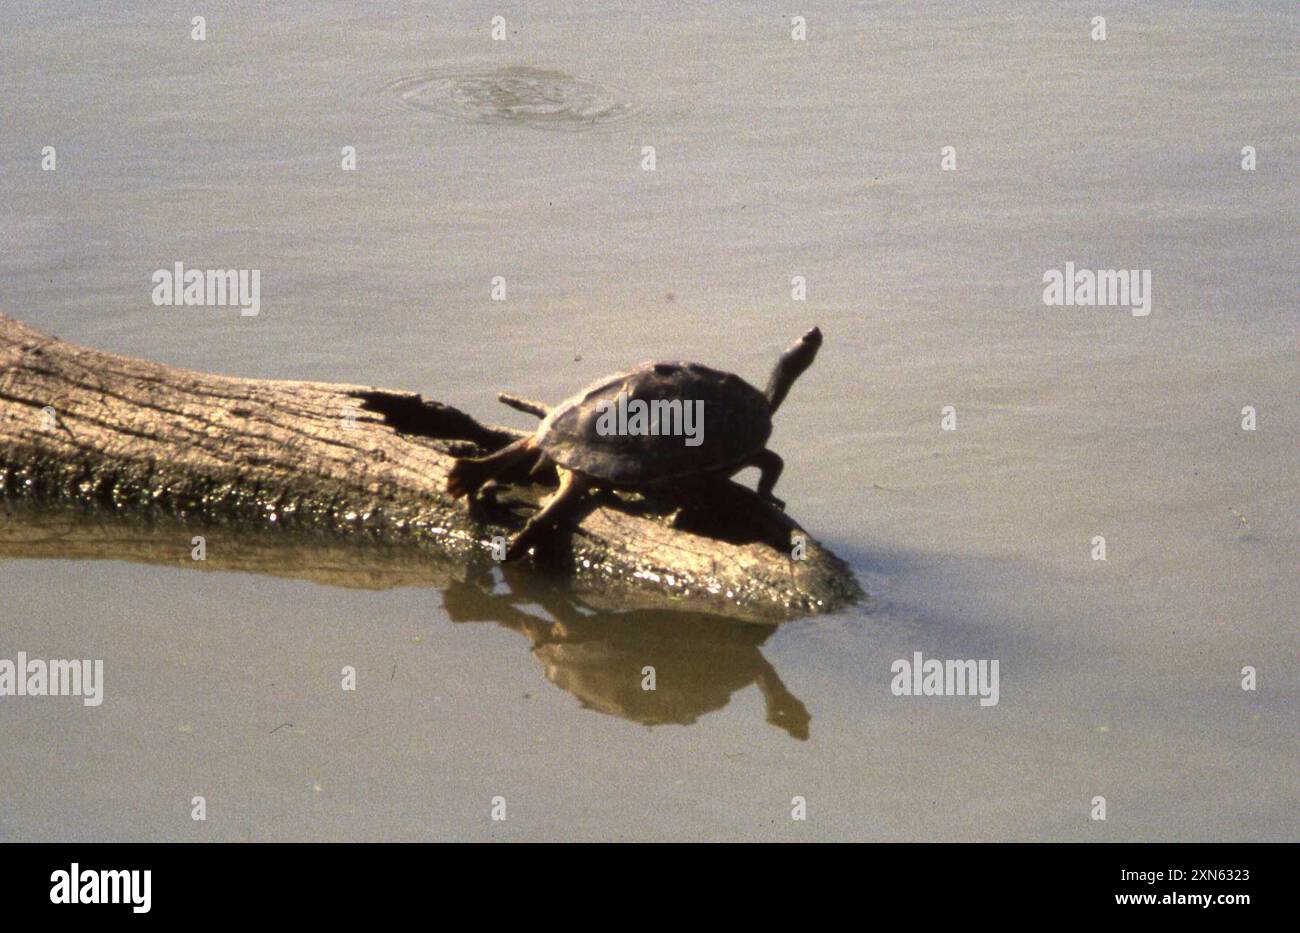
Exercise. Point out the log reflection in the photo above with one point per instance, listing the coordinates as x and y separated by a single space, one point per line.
596 653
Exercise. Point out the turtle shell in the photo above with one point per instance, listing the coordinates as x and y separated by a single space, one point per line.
735 422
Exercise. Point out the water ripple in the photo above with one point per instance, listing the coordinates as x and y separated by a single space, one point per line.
517 95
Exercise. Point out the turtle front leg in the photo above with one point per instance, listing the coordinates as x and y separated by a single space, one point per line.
468 474
770 467
561 504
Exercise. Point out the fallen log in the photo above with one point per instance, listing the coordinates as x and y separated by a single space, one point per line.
345 462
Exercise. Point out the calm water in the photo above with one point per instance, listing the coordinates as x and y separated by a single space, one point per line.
774 158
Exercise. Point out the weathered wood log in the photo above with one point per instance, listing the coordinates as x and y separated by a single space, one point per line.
368 466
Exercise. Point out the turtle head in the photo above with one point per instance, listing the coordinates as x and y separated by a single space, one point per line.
791 366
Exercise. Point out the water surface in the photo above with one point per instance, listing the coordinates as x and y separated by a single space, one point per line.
773 158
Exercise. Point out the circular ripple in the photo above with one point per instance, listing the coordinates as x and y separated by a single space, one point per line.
520 96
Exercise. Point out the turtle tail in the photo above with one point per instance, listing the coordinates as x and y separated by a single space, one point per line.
467 474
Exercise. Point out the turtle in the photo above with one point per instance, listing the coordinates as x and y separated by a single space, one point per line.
593 448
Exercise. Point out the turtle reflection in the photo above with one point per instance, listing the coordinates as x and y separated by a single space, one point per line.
699 661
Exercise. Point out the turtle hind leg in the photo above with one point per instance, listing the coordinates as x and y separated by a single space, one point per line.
467 474
770 467
563 503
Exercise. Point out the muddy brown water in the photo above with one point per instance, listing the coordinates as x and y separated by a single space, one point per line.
773 159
